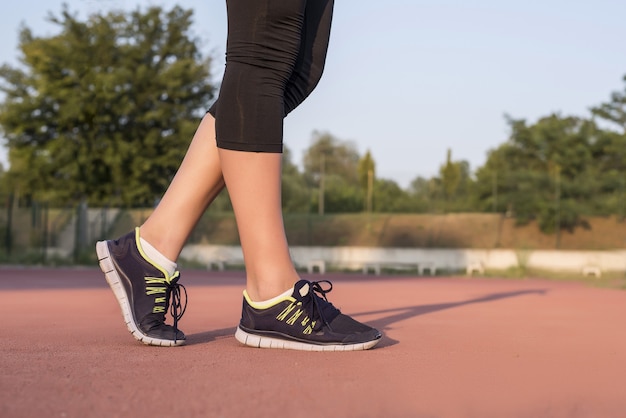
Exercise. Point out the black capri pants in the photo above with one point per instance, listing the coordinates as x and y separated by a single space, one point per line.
275 54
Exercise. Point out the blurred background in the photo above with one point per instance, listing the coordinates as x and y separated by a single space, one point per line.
436 125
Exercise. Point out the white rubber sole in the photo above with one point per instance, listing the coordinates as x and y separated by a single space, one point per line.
107 267
253 340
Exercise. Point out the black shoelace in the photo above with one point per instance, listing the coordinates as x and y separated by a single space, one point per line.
315 289
177 309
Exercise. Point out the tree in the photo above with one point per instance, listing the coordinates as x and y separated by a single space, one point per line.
390 198
545 171
296 194
608 173
367 174
331 165
450 174
333 156
424 193
339 196
615 110
610 152
105 109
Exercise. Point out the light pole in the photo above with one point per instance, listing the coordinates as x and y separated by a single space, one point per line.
370 189
320 203
557 199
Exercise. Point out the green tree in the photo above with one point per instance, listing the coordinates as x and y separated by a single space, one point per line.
104 110
367 174
614 110
449 192
450 174
610 153
545 171
330 166
424 193
389 197
609 174
331 155
340 196
296 193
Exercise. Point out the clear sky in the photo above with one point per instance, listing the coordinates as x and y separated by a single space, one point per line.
408 79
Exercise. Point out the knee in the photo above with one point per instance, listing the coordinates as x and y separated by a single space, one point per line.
301 85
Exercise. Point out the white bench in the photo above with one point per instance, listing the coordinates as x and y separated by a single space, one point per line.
592 271
475 267
420 267
221 265
426 266
320 265
375 267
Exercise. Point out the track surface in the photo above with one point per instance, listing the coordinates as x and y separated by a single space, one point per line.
453 347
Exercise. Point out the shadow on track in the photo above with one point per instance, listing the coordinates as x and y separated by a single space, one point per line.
395 315
208 336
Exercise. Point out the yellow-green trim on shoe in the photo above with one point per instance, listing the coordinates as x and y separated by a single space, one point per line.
268 303
168 278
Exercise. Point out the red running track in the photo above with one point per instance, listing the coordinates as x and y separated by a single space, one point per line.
453 347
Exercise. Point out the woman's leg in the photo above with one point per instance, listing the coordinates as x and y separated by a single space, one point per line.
139 266
264 40
253 181
261 85
169 226
198 181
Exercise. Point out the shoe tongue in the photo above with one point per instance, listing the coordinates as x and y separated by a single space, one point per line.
304 290
301 288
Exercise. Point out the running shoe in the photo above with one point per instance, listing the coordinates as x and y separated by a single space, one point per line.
303 321
144 291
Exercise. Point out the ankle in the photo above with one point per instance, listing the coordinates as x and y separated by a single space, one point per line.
155 256
166 244
262 292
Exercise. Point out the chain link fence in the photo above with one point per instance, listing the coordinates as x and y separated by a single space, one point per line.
36 233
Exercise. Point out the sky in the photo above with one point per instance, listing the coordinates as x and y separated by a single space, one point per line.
410 79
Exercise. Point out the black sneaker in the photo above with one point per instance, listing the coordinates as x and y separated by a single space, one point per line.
303 321
143 290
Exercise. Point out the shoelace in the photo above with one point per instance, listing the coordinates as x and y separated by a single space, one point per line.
175 302
315 289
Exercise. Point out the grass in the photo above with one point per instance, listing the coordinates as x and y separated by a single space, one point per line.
462 230
420 230
611 280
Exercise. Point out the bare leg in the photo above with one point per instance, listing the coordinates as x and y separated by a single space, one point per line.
254 186
198 181
256 200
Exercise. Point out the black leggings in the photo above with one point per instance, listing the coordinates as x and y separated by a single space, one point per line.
275 56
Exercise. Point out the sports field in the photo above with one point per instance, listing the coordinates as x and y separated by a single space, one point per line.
453 347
